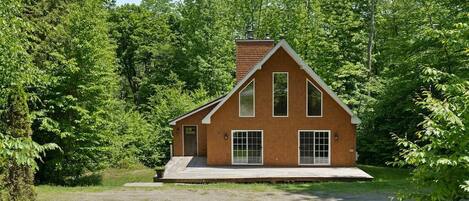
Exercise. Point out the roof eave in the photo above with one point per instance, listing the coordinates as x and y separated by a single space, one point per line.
173 122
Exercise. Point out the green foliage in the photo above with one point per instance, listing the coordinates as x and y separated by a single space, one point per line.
440 153
438 150
17 151
145 49
205 57
80 88
167 102
17 176
22 150
412 35
159 168
131 134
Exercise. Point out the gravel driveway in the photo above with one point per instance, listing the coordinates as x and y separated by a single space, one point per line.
202 195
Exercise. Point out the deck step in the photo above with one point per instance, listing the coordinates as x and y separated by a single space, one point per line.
177 164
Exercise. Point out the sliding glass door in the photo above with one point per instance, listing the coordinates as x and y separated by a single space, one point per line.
314 147
246 147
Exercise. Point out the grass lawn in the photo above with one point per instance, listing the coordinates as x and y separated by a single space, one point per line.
387 180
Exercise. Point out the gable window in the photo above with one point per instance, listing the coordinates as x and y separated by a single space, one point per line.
313 100
280 94
247 100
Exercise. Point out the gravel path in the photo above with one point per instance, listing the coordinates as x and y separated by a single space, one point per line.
202 195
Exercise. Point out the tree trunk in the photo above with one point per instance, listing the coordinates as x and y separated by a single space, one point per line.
371 35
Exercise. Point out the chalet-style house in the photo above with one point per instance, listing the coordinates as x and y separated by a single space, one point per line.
280 113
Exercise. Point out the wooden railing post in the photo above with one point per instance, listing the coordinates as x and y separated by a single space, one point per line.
170 151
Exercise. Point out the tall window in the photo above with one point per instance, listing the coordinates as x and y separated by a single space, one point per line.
314 100
314 147
280 94
246 101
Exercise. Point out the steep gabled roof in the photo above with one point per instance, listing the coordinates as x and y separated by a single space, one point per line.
173 121
283 44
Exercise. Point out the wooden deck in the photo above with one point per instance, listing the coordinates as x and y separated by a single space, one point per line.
195 170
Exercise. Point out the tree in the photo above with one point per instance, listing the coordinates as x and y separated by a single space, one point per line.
17 150
79 87
440 153
145 49
19 177
423 103
205 57
168 102
412 35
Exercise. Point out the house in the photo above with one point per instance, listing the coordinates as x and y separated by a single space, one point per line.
280 113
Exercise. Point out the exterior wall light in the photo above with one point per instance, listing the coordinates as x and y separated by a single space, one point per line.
226 136
336 136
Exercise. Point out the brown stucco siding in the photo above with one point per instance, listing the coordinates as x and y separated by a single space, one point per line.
194 119
281 133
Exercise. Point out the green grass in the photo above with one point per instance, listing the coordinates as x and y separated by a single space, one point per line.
112 179
387 180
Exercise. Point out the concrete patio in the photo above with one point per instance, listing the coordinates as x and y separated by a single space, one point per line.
195 170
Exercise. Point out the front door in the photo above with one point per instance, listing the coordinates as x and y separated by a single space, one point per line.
190 140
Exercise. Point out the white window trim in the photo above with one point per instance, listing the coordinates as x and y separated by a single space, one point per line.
262 147
307 100
253 96
273 95
329 148
196 138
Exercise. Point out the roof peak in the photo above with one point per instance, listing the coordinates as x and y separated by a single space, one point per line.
283 44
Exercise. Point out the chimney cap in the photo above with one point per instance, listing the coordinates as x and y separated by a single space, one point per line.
250 33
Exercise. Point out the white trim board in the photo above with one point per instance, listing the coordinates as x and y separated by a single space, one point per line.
283 44
173 122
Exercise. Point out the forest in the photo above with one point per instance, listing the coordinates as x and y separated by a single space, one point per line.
86 84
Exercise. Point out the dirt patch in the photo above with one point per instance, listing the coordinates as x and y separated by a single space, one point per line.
202 195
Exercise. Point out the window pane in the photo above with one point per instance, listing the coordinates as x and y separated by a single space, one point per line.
314 101
322 148
239 147
254 147
280 94
246 100
306 147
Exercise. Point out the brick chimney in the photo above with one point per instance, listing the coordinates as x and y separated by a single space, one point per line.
249 53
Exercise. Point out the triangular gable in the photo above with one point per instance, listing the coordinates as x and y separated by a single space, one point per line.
198 109
283 44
